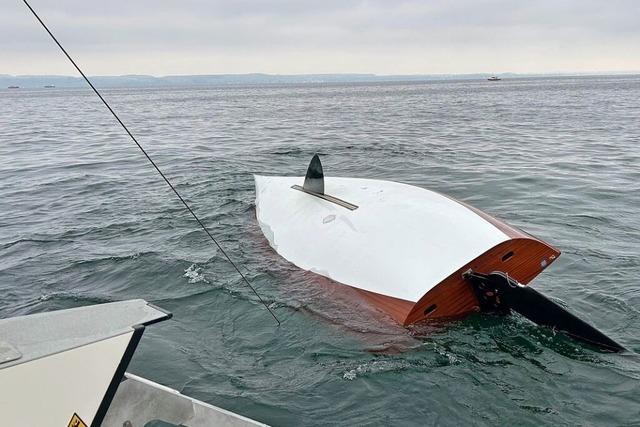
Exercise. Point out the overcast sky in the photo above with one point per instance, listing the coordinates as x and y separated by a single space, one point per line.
162 37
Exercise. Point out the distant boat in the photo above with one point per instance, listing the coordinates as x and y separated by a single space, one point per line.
494 79
13 87
49 86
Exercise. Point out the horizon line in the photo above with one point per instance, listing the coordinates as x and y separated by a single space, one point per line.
258 73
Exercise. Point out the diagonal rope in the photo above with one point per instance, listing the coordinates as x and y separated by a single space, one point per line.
133 138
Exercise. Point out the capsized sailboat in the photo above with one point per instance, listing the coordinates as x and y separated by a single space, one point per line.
414 253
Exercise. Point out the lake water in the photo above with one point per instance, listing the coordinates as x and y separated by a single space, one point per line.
84 219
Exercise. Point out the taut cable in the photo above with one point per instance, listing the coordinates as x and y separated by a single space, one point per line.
133 138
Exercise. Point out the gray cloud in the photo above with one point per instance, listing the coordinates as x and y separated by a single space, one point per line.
288 36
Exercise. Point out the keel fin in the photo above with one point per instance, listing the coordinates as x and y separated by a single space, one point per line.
314 185
314 180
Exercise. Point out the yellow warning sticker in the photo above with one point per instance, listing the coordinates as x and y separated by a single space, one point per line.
76 422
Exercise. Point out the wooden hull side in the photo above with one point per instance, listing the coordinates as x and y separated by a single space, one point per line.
526 257
398 309
453 297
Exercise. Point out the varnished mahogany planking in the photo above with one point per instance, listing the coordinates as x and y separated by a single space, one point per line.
454 297
397 308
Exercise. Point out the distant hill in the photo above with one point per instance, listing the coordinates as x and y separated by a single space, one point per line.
214 79
129 81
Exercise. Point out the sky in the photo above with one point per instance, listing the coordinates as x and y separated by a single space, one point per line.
168 37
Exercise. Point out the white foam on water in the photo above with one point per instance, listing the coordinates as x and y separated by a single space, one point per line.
374 367
350 375
194 274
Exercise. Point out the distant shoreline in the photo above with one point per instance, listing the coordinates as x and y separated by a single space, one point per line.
217 80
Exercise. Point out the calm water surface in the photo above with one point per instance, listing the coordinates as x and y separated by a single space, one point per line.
84 219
